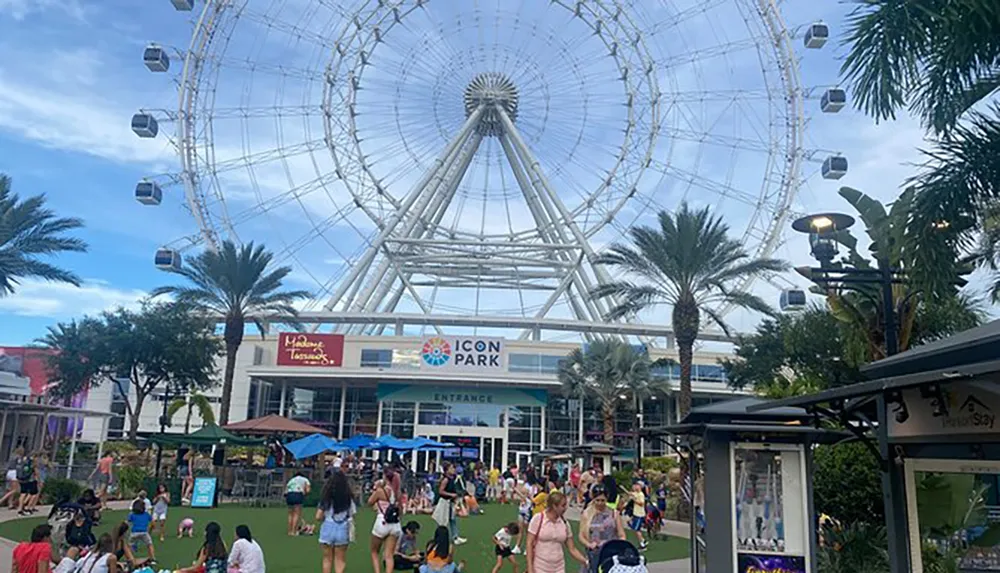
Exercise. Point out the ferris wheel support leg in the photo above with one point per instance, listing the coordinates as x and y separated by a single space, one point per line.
361 267
538 213
378 285
551 204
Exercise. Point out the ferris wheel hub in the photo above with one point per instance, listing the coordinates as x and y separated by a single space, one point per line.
496 91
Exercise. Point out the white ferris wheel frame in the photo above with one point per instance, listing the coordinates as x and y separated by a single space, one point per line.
198 174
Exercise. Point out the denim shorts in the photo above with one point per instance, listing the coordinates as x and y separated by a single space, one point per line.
335 533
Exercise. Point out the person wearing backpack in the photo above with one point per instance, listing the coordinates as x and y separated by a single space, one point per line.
386 531
27 477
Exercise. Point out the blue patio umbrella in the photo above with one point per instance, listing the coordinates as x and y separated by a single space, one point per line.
388 442
429 444
310 446
357 442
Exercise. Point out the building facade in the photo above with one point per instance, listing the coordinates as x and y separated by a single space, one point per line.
499 405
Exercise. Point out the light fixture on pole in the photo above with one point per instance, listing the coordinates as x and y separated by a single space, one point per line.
822 229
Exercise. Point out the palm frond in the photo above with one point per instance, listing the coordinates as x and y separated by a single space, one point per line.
29 230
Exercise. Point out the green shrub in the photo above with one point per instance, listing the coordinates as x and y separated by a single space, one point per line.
854 548
662 464
130 480
847 484
60 489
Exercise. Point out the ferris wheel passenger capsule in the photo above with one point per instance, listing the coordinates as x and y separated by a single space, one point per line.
167 259
793 299
144 125
833 100
183 5
816 35
156 58
148 193
834 167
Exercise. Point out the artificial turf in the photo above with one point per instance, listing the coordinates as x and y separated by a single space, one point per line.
285 554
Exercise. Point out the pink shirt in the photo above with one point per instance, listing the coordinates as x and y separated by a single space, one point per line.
550 538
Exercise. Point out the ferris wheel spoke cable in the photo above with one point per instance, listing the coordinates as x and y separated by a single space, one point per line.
616 118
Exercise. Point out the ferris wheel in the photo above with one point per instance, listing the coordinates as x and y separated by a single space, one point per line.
473 157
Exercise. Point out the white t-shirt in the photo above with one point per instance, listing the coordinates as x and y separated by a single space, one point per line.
248 555
502 537
145 502
297 485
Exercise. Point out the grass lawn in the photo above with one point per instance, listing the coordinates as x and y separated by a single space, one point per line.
302 554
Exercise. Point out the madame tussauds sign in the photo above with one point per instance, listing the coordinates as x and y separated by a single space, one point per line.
463 353
310 349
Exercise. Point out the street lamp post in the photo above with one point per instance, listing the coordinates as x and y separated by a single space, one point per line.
822 230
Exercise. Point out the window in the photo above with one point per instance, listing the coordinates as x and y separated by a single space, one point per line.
376 358
534 363
523 362
709 372
397 419
481 415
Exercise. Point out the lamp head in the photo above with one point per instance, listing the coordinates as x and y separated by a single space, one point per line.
821 229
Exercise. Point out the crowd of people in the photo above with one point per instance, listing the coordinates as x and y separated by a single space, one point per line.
538 529
70 546
25 476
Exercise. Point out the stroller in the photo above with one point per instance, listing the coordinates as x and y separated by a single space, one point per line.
620 556
65 532
480 490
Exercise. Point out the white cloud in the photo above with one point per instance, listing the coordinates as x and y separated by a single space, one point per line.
21 9
59 301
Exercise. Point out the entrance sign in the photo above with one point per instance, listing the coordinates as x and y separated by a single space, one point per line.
479 353
204 492
950 409
310 349
501 396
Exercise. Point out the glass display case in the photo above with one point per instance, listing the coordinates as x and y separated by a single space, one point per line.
769 508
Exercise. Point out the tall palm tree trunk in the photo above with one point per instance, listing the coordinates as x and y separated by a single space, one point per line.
685 322
608 413
234 337
187 421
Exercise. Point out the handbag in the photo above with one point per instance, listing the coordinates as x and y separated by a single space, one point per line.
442 512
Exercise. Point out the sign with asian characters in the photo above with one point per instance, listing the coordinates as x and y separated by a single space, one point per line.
310 349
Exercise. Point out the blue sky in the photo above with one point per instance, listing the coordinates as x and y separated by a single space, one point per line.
72 75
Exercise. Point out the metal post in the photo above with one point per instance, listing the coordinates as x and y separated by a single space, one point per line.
343 406
893 495
579 438
3 434
692 472
284 394
72 448
163 429
891 336
543 426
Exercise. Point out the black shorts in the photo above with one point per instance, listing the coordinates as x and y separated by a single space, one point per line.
29 487
402 564
294 498
502 552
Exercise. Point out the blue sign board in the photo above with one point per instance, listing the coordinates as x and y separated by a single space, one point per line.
204 492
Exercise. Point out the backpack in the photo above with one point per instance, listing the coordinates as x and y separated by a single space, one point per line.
391 513
25 469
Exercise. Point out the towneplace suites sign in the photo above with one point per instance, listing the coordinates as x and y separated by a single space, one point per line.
463 353
300 349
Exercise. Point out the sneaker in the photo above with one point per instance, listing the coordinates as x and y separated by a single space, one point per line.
516 550
460 541
643 545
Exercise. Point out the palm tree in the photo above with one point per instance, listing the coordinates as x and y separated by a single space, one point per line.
27 231
689 263
236 283
193 401
612 373
940 59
